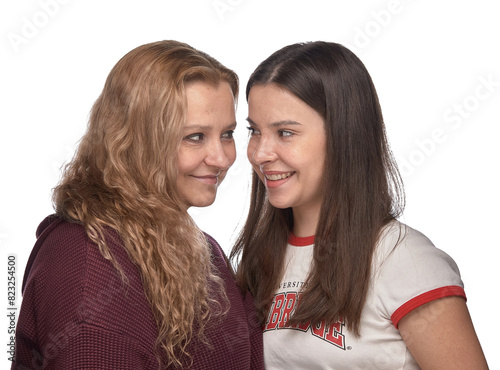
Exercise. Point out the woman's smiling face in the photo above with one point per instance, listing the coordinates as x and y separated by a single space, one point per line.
207 149
287 147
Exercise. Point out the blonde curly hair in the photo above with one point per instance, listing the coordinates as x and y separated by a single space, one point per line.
123 176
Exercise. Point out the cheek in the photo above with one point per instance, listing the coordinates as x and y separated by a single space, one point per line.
186 161
318 160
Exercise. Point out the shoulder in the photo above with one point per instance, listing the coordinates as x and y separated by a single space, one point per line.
70 281
66 262
60 241
212 242
62 260
59 244
396 233
409 268
400 244
219 255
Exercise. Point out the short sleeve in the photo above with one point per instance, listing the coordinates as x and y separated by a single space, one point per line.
411 271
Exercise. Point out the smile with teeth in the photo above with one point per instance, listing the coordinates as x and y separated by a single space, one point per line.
281 176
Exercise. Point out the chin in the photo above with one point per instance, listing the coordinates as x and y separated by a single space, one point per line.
202 202
278 204
205 204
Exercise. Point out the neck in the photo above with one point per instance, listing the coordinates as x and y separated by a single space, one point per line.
305 221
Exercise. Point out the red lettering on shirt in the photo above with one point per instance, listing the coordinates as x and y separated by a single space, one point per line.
276 309
288 306
319 330
334 335
283 306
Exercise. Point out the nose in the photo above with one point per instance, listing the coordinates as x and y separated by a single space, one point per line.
221 155
261 150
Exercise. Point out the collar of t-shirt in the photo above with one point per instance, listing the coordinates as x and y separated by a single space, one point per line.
300 241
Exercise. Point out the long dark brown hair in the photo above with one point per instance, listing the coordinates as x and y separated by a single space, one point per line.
123 177
364 188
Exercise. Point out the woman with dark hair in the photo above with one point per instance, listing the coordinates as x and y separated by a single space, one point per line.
121 277
339 283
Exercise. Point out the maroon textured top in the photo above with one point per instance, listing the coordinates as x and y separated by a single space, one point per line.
76 312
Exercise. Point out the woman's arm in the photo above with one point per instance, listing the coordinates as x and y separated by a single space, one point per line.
440 335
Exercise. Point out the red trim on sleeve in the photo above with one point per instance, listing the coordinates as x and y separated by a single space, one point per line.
406 308
299 241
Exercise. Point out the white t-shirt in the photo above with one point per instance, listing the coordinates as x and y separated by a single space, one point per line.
404 277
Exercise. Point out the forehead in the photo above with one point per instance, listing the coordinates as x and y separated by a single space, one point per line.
209 103
269 104
200 92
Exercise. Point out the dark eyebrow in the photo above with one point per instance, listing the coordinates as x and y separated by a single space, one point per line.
275 124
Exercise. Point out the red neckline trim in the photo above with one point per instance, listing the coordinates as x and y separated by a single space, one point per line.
300 241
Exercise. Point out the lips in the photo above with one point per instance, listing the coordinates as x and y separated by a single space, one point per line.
208 179
277 176
274 179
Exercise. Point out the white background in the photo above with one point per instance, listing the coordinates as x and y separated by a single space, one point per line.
436 66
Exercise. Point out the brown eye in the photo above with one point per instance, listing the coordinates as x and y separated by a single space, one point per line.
195 137
228 134
252 131
285 133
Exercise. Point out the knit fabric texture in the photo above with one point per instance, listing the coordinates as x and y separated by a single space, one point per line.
77 313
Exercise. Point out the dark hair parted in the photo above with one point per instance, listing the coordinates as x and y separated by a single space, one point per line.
364 188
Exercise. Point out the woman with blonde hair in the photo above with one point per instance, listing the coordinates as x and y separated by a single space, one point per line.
120 276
